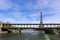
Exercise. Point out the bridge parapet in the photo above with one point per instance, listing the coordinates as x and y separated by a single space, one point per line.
30 25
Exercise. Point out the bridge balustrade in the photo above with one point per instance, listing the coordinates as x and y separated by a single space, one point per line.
58 25
30 25
22 26
50 26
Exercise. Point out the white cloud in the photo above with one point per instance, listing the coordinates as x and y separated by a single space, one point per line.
55 5
8 4
40 4
5 4
53 19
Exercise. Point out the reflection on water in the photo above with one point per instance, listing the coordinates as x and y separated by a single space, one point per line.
31 35
46 37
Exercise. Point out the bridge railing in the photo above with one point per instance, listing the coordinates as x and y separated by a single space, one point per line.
30 25
21 26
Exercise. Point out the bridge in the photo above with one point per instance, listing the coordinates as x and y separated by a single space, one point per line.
46 28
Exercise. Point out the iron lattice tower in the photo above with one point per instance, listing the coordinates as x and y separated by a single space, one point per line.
41 21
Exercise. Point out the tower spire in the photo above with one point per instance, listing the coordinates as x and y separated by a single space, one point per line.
41 21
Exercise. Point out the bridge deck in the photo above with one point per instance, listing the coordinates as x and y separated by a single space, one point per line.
32 26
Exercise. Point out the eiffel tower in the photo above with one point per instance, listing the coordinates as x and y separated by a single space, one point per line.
41 22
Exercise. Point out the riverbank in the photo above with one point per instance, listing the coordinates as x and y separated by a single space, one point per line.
4 32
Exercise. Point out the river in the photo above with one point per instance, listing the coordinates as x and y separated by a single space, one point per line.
29 35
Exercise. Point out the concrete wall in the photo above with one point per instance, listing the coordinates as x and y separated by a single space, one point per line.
1 27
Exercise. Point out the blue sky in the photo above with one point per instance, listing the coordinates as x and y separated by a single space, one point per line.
28 11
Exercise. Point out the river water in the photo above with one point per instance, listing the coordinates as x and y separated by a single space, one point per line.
29 35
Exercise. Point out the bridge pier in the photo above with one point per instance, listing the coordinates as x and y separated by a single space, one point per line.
0 30
14 31
51 31
1 25
55 31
